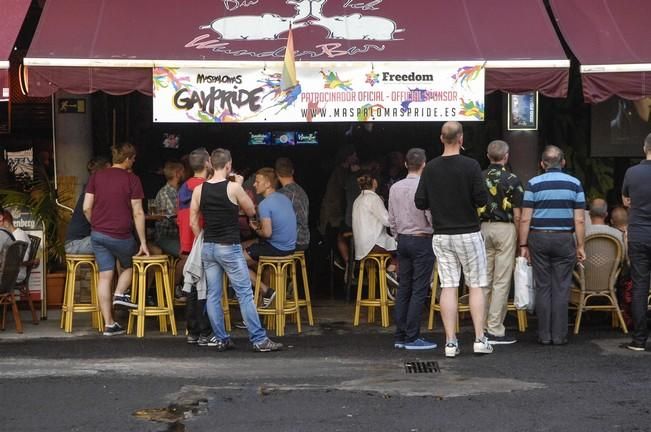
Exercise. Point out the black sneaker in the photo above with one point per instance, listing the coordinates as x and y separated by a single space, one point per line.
192 338
225 344
221 345
203 340
113 330
268 297
123 300
500 340
240 325
267 345
636 346
339 264
213 341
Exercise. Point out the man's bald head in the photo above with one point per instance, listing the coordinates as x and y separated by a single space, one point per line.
598 208
619 217
552 157
451 133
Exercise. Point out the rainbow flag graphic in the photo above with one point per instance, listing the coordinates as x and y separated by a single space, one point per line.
288 79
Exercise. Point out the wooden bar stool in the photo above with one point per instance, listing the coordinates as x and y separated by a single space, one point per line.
171 268
523 322
374 266
280 268
225 303
69 307
306 301
464 308
164 308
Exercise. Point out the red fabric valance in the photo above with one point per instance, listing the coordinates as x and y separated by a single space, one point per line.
611 40
514 37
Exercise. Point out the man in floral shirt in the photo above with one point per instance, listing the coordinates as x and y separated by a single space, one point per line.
500 218
167 232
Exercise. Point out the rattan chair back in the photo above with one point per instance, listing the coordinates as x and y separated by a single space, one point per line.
603 262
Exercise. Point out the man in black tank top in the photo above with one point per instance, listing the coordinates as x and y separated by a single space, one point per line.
219 200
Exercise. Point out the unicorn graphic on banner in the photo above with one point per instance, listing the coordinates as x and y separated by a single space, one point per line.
270 26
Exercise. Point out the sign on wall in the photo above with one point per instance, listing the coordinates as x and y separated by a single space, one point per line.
397 91
523 111
21 164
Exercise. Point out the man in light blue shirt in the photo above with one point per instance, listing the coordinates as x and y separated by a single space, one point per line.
552 233
276 228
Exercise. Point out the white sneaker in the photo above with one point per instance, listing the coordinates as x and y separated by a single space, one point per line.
481 346
452 349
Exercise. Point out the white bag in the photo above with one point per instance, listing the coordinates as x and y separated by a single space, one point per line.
524 296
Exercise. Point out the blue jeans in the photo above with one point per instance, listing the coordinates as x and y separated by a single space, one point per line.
217 259
416 259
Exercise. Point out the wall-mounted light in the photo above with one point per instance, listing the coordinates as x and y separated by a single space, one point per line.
23 80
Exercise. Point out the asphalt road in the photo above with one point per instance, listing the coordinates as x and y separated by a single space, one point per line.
334 379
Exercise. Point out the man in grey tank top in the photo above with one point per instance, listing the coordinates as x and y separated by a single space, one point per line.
221 252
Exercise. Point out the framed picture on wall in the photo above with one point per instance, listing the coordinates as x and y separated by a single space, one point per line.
523 111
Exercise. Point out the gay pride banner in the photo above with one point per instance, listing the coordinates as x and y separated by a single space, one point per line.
398 91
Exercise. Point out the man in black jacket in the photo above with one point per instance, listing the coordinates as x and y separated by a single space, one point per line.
636 195
452 188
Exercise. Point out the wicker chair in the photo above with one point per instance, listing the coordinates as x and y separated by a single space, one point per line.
597 276
31 263
13 259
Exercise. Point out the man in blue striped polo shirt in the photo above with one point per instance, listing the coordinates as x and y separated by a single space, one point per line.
552 212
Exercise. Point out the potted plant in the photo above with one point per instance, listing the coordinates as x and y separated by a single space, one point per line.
39 198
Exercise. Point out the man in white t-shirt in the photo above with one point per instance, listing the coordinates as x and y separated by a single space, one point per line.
6 238
19 235
598 215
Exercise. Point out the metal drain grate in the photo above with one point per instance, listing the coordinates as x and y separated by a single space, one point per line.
420 367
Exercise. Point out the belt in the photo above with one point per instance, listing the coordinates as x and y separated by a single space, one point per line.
552 231
417 235
495 221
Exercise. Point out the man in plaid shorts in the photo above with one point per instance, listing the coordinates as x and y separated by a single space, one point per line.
452 188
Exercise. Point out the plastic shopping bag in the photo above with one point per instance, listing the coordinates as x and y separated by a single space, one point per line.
523 280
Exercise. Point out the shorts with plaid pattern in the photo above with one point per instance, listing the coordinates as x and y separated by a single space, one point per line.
461 252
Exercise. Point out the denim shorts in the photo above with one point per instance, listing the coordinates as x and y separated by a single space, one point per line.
107 249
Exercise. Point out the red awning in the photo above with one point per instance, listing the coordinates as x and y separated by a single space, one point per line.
11 20
87 36
611 40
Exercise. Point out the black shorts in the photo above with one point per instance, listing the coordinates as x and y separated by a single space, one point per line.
256 250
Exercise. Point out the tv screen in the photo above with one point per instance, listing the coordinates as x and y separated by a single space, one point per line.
619 127
284 138
257 139
307 138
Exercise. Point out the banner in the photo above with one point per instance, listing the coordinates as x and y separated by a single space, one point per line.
397 91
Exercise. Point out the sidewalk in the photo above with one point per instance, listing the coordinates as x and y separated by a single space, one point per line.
328 315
